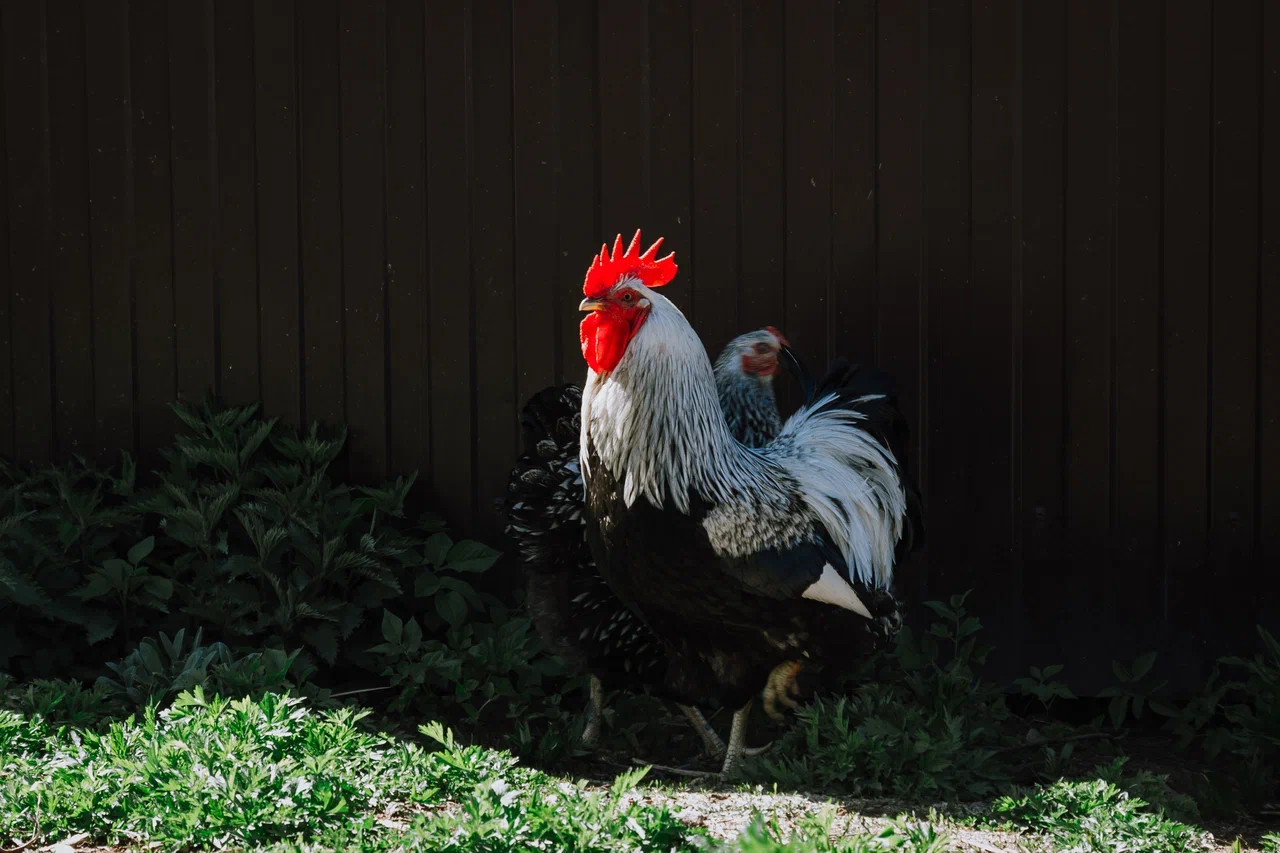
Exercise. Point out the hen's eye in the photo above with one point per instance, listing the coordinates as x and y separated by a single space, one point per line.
761 348
628 297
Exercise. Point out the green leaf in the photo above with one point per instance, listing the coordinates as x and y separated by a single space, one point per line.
471 556
437 549
941 609
1118 707
142 550
1143 665
324 639
392 627
426 584
161 588
101 627
117 570
466 590
412 636
151 658
451 607
96 587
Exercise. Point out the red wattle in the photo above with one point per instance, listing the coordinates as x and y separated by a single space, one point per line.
604 340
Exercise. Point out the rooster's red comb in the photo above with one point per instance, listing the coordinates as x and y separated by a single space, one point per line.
605 271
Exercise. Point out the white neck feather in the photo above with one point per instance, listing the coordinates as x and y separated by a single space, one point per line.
656 420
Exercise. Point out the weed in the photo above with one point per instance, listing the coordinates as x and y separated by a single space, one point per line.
1134 692
1042 685
925 725
211 773
1236 723
812 834
1095 816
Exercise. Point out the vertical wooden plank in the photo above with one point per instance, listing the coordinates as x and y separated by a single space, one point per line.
152 185
7 413
853 307
1043 95
1233 309
276 157
810 58
763 168
1187 188
1268 522
321 213
362 58
496 301
539 322
449 167
900 217
578 176
410 409
1137 258
716 169
670 153
950 377
995 565
69 267
194 202
623 77
110 221
235 261
1089 321
27 131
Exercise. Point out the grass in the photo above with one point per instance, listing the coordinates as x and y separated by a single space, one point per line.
209 773
1095 816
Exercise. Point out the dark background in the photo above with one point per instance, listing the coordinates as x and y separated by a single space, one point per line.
1056 221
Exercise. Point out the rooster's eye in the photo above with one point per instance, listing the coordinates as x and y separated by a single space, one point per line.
628 297
761 349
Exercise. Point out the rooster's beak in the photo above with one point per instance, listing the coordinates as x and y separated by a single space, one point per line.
591 305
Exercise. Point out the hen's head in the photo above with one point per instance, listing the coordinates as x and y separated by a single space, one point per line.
618 295
753 355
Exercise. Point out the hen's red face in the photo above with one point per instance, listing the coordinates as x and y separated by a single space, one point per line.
761 357
613 322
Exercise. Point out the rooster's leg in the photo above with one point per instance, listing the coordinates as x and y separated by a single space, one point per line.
595 714
737 741
710 740
734 753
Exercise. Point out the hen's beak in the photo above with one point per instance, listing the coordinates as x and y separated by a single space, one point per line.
591 305
797 369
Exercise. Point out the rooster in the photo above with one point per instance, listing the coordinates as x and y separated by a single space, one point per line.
749 564
573 608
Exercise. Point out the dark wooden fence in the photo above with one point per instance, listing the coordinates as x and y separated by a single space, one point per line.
1055 221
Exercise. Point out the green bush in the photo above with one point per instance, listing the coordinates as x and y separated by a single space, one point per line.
244 547
245 536
1235 722
493 673
922 724
1095 817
